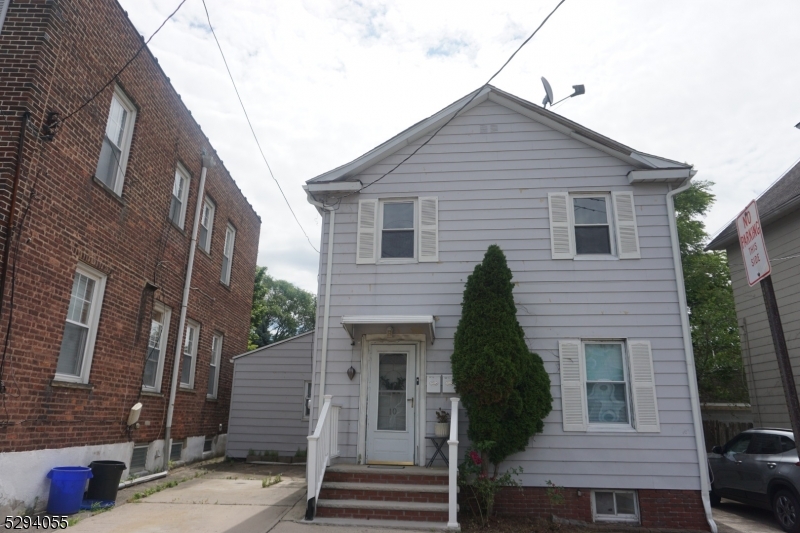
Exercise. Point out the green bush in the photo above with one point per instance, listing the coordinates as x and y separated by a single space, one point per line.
503 385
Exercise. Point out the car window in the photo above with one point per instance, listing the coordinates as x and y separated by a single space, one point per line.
765 444
739 444
787 444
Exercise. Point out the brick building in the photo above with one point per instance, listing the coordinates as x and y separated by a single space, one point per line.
100 243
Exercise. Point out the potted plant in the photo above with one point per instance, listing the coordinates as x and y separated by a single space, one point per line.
442 426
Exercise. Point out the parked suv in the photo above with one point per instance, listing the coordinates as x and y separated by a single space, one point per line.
759 467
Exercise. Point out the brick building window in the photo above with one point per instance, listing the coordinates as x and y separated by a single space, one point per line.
156 346
206 225
80 329
189 354
3 10
116 142
180 192
227 255
213 373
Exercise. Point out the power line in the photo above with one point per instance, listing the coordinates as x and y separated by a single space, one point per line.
252 130
474 95
114 77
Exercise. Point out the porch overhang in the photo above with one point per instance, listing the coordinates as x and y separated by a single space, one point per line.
349 323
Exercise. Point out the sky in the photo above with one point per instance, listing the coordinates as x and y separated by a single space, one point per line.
712 83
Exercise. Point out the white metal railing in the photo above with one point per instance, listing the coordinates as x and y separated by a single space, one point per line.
322 445
452 443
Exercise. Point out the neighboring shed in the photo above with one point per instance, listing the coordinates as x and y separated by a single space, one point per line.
269 408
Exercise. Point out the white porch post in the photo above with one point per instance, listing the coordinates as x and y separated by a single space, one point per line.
452 443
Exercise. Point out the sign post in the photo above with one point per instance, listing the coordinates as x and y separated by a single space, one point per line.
758 268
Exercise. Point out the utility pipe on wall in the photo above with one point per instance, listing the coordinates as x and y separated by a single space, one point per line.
694 395
326 315
187 285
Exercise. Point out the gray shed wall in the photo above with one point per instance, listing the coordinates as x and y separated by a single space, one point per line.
492 189
267 399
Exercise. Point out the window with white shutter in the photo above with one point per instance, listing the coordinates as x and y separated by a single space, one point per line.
627 232
429 229
573 393
367 218
561 237
3 9
398 230
644 386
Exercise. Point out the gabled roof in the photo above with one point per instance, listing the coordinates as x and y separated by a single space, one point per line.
270 346
668 170
776 202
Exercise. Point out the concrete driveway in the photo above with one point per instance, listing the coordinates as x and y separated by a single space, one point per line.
733 517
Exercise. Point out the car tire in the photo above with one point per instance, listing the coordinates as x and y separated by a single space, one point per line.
786 509
714 497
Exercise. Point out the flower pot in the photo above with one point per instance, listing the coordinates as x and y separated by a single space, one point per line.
441 429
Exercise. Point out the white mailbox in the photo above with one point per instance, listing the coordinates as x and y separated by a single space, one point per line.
447 383
434 383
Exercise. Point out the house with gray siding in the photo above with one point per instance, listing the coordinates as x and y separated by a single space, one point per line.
270 398
587 225
779 211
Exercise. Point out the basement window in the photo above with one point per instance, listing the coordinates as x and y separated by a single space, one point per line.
615 506
175 451
139 459
208 444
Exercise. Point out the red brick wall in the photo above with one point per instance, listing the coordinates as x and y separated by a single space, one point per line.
673 509
74 218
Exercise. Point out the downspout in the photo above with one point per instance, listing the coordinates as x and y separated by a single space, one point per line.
326 313
315 341
187 286
694 395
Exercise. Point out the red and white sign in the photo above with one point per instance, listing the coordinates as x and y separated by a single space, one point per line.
751 240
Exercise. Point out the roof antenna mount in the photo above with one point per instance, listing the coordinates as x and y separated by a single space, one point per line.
548 99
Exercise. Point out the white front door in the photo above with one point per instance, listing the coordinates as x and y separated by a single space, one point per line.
391 400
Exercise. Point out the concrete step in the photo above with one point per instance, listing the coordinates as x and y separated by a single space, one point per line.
399 492
358 523
382 510
413 475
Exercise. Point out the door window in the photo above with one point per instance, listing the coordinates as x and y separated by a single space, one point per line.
392 391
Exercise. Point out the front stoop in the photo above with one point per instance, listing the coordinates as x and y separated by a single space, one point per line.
361 494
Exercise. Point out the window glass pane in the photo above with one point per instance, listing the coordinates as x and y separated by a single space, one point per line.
787 444
70 358
175 451
625 504
765 444
739 445
398 216
175 210
177 187
186 369
80 302
203 238
150 368
138 459
392 391
397 244
117 117
607 403
604 362
108 164
212 376
590 210
225 274
604 502
592 240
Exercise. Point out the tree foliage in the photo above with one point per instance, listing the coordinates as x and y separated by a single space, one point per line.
280 310
709 296
503 385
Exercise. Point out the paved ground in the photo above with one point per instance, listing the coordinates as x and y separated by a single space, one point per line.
733 517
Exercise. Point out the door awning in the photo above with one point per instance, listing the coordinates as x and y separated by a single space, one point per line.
350 322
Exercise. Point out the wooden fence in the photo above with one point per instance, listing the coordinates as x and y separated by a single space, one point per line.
717 432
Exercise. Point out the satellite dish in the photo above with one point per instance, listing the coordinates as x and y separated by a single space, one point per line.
549 90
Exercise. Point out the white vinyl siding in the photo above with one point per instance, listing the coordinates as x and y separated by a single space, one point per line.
206 225
398 230
116 142
156 348
80 328
180 193
227 255
213 372
189 357
3 10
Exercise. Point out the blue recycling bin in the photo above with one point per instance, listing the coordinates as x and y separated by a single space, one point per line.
67 484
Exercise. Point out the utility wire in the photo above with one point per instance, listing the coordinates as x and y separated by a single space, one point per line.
252 130
114 77
475 94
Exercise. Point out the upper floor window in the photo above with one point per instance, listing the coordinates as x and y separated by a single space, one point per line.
116 142
180 192
156 346
398 230
80 329
3 9
189 358
206 224
227 255
213 373
593 225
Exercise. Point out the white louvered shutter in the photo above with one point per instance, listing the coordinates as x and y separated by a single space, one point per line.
429 229
3 9
573 385
367 218
625 222
643 384
562 241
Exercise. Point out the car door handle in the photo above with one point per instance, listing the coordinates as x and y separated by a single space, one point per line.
412 401
772 465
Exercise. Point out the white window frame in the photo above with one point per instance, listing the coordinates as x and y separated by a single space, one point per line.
211 208
180 173
306 400
190 324
225 276
610 427
379 231
611 228
127 137
167 313
92 321
216 358
626 518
